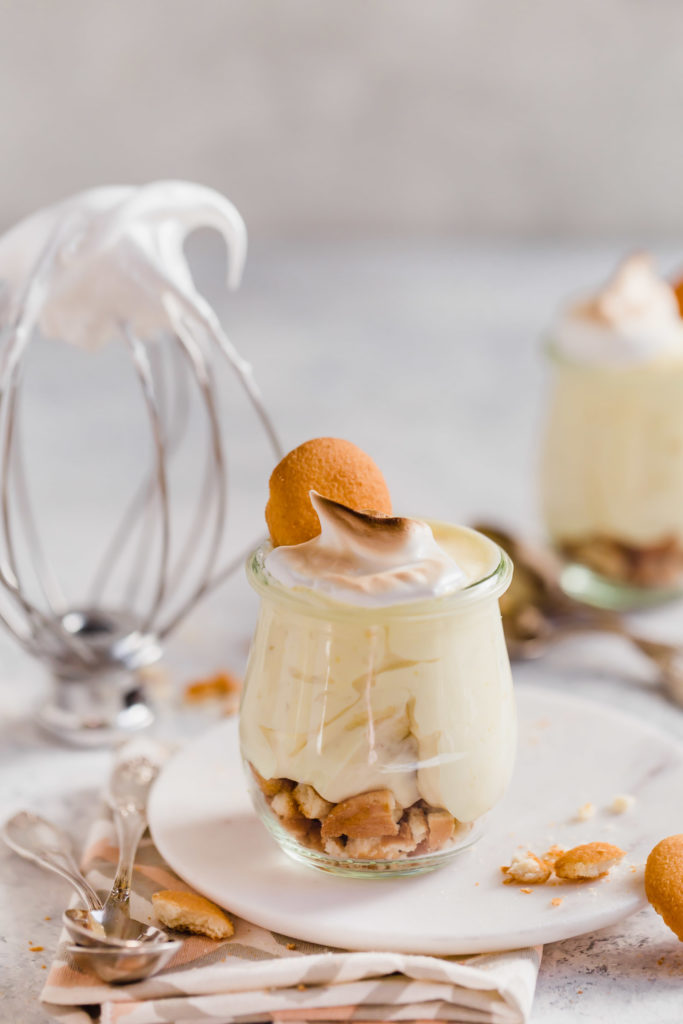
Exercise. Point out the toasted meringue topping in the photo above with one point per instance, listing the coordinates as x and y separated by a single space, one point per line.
367 558
633 319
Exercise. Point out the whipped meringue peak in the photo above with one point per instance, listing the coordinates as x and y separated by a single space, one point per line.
114 256
367 558
634 318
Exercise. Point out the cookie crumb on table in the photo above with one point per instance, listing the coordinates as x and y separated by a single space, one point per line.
221 687
622 803
526 867
581 863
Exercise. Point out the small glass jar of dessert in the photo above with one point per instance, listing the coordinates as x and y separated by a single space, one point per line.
378 721
612 469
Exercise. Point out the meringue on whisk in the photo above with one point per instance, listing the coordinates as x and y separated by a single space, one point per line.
108 266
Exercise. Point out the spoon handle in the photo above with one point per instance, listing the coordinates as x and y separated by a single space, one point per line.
129 787
130 824
668 658
40 841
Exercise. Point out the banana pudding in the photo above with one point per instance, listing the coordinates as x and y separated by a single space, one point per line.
612 472
378 720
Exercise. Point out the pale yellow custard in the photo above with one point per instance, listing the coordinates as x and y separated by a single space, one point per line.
415 697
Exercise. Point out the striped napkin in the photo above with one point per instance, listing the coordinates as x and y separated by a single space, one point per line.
258 975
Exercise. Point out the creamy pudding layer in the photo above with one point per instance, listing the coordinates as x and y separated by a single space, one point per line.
613 460
363 699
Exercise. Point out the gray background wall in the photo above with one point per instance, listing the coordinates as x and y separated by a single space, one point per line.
357 117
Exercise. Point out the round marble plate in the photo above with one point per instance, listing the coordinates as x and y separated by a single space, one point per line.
571 752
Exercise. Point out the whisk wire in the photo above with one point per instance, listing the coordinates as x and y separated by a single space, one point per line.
216 475
142 502
142 367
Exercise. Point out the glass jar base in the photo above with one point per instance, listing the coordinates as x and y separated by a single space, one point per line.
591 588
355 868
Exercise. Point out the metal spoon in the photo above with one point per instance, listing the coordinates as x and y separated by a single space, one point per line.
122 965
129 787
536 613
112 959
47 846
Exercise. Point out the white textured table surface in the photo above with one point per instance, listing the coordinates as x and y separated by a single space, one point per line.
427 356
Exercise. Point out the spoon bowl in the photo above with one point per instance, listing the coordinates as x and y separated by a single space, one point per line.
121 965
95 928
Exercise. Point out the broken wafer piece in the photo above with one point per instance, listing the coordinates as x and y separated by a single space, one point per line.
186 911
310 803
441 827
270 787
384 848
367 815
528 868
287 810
591 860
417 822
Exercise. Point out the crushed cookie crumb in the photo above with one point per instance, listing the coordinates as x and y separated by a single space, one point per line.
36 949
291 945
556 902
586 812
581 863
48 918
527 868
622 803
525 890
301 988
223 686
661 960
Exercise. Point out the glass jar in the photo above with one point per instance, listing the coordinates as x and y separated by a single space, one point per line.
376 739
612 481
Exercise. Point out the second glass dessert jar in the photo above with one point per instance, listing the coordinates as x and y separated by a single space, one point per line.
376 739
612 473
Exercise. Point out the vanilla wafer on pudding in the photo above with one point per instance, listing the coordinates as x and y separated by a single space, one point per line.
336 469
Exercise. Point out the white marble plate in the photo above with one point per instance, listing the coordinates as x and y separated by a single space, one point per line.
571 752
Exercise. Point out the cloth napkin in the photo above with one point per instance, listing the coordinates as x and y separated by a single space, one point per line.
258 975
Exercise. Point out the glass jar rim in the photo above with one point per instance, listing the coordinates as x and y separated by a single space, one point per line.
556 357
313 602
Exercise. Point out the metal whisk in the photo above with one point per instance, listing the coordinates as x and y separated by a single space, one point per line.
109 266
